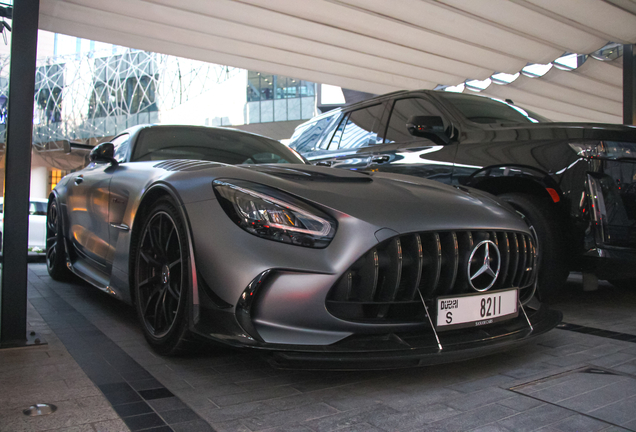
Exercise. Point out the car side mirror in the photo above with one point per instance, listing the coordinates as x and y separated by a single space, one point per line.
105 152
431 127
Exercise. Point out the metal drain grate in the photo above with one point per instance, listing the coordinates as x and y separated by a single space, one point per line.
39 409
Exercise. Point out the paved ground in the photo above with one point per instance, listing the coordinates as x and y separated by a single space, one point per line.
99 372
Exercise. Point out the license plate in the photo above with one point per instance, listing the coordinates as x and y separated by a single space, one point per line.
473 310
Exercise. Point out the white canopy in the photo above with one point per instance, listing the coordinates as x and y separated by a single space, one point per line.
591 93
378 46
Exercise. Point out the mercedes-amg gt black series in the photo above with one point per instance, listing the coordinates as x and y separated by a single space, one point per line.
574 182
220 234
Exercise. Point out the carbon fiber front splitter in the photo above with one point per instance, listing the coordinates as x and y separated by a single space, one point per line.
394 351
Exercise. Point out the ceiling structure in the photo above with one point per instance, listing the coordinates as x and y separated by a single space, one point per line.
590 93
378 46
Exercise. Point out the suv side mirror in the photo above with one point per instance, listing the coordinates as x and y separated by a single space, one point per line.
431 127
105 152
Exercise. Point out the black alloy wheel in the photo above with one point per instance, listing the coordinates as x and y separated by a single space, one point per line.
542 220
55 249
161 278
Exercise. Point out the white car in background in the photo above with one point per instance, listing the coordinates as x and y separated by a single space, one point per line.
37 223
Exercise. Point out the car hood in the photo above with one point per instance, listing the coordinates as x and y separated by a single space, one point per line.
549 131
400 203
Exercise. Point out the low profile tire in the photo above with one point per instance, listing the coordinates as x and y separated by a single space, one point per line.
55 249
161 279
553 269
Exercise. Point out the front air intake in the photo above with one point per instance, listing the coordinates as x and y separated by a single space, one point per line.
388 282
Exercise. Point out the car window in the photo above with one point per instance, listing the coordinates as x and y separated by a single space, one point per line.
307 137
265 158
211 144
402 110
121 147
485 110
37 208
359 129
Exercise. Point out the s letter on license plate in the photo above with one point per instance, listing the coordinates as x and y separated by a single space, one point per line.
473 310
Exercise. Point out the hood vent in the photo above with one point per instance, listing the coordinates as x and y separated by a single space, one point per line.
186 165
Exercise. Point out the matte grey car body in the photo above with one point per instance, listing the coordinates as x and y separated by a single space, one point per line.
303 299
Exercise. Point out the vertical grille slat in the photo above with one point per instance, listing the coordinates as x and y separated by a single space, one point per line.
391 267
465 243
450 262
522 260
530 263
366 276
514 252
376 273
455 260
432 264
399 270
412 269
382 285
504 250
349 282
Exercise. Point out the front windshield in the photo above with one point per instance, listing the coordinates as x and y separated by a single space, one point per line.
211 144
485 110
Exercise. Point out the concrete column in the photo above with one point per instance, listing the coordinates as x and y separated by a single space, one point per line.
17 165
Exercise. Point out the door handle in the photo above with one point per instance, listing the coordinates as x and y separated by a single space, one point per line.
380 159
324 163
79 179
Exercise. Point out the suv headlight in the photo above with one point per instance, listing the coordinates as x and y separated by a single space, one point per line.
589 149
274 215
615 150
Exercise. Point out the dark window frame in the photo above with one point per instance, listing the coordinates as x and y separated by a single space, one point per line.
117 146
391 108
377 126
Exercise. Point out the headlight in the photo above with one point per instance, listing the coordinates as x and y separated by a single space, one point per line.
274 215
589 149
615 150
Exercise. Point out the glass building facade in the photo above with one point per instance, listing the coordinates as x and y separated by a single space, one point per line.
272 98
95 94
87 92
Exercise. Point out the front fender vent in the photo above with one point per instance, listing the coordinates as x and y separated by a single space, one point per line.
384 285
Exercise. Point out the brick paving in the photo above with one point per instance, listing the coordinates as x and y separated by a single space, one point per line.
102 376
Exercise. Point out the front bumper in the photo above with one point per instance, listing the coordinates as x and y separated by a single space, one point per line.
610 262
289 321
393 351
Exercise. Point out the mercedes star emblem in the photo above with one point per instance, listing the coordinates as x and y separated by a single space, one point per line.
484 265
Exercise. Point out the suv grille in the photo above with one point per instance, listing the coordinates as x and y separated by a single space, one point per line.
383 285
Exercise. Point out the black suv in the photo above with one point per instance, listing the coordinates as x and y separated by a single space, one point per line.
575 183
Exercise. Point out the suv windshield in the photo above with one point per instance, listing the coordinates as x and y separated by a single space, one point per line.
485 110
307 135
216 145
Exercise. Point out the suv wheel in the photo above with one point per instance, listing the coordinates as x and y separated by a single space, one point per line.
541 217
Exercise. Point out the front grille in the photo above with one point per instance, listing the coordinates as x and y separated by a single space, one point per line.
386 283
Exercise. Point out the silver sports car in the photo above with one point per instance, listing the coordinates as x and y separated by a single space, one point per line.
224 235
